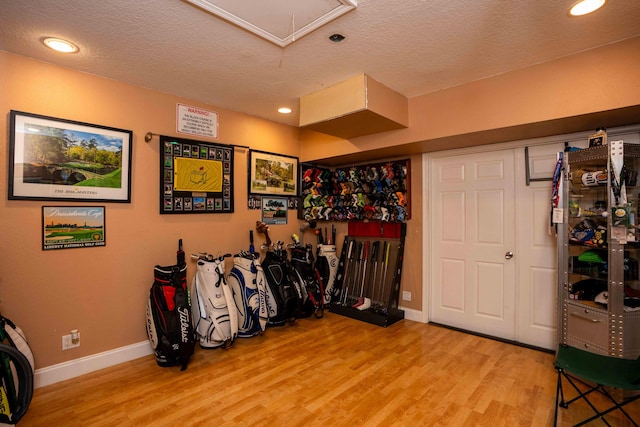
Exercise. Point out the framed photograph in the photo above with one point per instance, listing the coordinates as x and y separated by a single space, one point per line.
195 176
598 139
272 174
65 227
274 210
57 159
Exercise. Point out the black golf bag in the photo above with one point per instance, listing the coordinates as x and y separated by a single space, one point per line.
248 283
16 373
169 325
282 295
303 263
214 314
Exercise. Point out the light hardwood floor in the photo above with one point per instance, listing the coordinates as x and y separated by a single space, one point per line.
333 371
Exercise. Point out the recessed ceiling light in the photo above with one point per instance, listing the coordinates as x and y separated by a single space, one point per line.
336 38
584 7
284 110
60 45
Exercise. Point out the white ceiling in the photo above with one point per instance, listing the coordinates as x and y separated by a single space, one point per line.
412 46
283 21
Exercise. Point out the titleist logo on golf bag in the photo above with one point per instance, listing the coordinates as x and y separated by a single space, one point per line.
151 327
185 321
169 325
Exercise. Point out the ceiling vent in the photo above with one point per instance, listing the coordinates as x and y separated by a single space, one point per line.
279 21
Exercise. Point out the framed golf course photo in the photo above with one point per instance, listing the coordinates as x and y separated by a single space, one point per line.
58 159
272 174
65 227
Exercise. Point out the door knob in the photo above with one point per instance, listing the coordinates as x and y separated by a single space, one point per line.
508 255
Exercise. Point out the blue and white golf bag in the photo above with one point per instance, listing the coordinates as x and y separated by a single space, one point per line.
248 285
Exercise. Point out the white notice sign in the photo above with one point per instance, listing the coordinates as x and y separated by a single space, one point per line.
196 121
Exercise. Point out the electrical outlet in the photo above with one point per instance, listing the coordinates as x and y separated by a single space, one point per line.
67 342
406 296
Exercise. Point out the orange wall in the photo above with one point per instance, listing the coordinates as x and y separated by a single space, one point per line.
102 291
561 96
600 87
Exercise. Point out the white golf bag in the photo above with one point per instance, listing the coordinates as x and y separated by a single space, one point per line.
327 265
214 316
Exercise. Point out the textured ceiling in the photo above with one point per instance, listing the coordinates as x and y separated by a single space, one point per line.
283 21
412 46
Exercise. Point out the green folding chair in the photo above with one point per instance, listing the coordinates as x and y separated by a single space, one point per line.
575 365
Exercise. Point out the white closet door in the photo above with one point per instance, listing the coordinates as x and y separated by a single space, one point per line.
537 246
473 230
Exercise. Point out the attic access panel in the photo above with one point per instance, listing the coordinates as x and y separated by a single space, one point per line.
279 21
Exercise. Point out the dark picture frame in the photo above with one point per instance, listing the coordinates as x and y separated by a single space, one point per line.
196 177
273 174
66 227
60 159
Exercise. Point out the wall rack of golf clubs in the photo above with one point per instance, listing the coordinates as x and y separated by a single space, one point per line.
369 273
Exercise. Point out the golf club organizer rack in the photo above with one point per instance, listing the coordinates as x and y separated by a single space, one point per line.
370 272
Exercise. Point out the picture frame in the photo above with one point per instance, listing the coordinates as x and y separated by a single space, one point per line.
598 139
274 210
66 227
273 174
196 177
60 159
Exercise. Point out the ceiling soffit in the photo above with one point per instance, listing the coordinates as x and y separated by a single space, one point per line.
279 21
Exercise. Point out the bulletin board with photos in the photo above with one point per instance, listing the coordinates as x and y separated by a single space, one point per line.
195 176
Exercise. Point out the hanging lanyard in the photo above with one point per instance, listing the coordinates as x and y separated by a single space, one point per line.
616 182
557 173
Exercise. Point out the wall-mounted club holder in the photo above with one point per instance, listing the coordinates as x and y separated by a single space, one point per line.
369 273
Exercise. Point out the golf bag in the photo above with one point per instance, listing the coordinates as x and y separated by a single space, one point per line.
16 373
307 276
169 325
327 266
248 284
216 320
282 295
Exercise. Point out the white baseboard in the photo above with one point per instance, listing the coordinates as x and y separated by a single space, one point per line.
411 314
73 368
